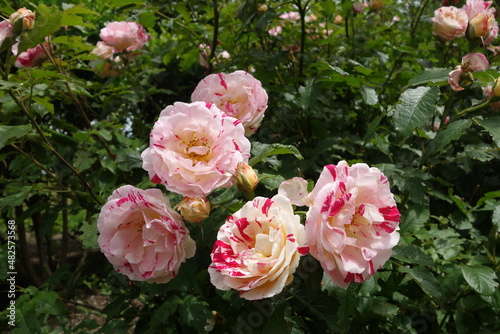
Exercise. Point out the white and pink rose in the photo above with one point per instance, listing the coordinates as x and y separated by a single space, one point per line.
195 148
352 225
142 236
258 248
450 22
238 94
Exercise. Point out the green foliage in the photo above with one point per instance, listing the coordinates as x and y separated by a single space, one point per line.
369 89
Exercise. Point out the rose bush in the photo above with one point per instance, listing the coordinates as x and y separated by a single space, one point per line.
352 225
195 148
258 248
142 236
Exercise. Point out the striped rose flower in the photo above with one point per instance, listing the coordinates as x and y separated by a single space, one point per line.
258 248
195 148
142 236
352 226
238 94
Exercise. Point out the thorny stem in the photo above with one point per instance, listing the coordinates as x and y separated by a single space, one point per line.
414 28
46 170
50 147
302 12
215 37
77 102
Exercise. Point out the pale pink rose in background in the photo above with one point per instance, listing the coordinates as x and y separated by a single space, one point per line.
129 36
26 15
359 7
30 58
103 50
295 190
195 149
238 94
292 16
258 249
205 54
472 62
142 236
275 31
338 20
352 226
450 23
5 30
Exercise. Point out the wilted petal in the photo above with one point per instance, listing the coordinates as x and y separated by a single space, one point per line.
454 79
476 62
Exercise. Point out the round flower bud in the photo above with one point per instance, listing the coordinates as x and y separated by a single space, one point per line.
496 88
246 179
193 209
27 17
338 19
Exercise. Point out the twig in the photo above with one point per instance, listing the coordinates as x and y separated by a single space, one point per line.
215 38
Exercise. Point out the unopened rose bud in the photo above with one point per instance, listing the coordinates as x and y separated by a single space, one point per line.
194 210
338 19
27 17
481 25
496 88
246 179
262 7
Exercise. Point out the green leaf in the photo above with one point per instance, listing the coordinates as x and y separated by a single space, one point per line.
45 103
5 85
480 278
492 125
369 95
416 107
430 75
309 94
15 194
71 20
425 279
382 307
41 74
452 132
266 150
414 218
161 314
8 132
88 237
320 306
83 160
147 19
79 9
412 254
194 312
121 3
128 158
495 219
48 22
